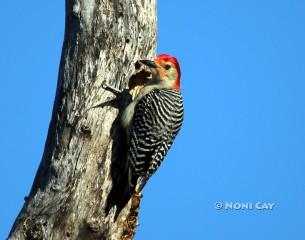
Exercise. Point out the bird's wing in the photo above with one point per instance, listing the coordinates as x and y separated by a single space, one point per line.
157 120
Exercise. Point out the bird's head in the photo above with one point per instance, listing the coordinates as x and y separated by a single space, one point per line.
165 70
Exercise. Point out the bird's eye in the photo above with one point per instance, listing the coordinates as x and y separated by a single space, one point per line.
167 66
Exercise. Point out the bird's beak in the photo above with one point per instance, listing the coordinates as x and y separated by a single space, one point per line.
149 63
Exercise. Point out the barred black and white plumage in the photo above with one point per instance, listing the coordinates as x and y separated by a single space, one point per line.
157 120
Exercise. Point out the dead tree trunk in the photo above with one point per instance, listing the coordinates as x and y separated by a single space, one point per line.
83 156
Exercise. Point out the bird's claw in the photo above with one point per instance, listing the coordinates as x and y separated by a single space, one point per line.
114 90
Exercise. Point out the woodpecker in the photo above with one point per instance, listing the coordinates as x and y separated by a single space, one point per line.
153 119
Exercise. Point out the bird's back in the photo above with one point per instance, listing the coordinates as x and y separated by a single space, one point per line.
157 120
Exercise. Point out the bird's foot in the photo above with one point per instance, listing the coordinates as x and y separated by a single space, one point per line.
112 89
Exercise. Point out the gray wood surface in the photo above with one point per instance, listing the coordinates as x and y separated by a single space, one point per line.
84 149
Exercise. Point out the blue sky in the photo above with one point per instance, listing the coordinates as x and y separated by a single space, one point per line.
243 80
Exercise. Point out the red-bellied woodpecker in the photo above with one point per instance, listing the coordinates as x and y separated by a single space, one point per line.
153 119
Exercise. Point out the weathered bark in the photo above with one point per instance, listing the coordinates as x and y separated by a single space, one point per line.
84 151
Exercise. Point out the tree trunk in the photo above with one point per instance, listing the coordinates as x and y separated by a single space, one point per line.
73 195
